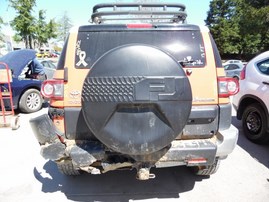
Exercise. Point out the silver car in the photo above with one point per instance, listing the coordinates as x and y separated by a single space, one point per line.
233 70
49 68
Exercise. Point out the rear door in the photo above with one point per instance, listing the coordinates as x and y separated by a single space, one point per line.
182 43
263 81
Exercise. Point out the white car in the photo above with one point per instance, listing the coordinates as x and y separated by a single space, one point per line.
252 101
232 62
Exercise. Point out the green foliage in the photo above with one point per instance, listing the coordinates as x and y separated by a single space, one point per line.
51 29
40 28
257 3
64 25
17 38
239 27
23 23
223 26
31 30
44 31
1 35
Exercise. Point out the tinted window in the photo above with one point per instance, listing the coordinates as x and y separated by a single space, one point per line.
180 44
60 64
231 67
264 67
216 53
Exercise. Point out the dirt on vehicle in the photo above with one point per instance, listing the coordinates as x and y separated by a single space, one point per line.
138 95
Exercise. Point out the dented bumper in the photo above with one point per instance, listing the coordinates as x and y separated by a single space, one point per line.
84 153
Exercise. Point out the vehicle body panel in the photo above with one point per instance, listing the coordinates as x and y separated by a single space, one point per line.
17 61
253 85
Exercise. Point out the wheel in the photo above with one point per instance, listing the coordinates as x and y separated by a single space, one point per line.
206 170
139 103
254 123
31 101
66 167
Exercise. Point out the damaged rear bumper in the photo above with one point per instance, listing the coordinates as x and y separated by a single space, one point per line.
85 153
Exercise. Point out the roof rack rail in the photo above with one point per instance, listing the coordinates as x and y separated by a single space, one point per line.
154 12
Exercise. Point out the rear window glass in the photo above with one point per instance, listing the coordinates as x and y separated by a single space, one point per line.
182 45
231 67
264 67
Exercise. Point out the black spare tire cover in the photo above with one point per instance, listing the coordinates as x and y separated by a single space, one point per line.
136 99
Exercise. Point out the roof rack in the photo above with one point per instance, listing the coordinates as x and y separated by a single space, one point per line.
161 12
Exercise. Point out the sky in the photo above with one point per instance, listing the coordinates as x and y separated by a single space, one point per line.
79 11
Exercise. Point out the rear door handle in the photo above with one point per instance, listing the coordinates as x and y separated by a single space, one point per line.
266 82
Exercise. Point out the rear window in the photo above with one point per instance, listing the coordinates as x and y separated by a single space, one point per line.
264 67
231 67
180 44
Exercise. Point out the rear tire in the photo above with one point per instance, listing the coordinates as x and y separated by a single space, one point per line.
67 168
254 123
206 170
31 101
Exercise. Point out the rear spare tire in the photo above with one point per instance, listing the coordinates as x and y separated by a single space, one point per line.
136 99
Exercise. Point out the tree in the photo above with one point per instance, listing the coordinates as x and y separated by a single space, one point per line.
254 25
239 27
64 25
257 3
223 26
51 29
1 35
44 31
24 22
31 30
41 29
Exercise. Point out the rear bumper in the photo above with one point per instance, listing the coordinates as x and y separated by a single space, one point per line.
226 141
84 153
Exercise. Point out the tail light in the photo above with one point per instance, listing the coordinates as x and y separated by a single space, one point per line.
53 89
227 86
243 73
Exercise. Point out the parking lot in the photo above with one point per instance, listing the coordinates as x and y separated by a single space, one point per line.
25 176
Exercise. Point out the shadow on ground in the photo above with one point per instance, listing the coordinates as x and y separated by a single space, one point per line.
118 185
258 152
